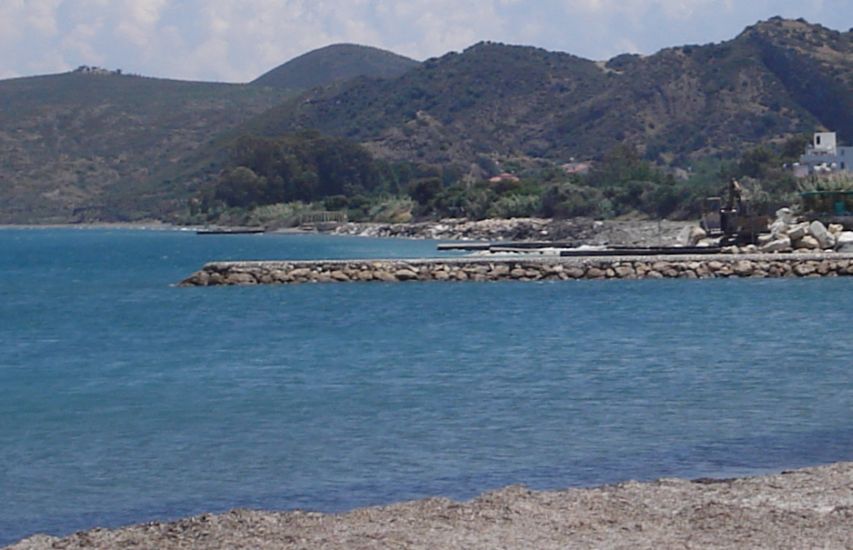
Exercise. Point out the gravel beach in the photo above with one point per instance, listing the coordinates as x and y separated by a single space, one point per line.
809 508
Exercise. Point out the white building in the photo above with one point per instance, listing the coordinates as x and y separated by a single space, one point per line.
824 156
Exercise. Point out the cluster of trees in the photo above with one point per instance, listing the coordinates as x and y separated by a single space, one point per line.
303 167
326 173
310 172
621 183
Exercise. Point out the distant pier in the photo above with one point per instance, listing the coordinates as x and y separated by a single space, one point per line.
524 267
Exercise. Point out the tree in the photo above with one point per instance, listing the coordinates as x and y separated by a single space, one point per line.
241 186
301 167
424 190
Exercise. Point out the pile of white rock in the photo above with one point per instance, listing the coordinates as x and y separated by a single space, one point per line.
787 235
452 229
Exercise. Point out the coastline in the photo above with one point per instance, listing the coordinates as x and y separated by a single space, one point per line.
811 507
580 230
148 226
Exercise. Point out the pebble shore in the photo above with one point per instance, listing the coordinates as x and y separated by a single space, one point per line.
809 508
577 230
528 268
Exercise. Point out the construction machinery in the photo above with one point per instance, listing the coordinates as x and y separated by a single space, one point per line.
734 221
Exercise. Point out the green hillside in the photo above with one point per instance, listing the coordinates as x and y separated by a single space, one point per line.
486 99
776 79
336 63
82 147
98 145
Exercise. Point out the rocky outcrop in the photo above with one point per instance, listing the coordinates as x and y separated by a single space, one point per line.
523 269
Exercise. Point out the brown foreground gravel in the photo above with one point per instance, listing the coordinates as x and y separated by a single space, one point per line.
810 508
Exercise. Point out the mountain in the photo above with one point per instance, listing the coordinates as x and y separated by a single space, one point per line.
97 145
488 98
777 78
94 144
82 146
336 63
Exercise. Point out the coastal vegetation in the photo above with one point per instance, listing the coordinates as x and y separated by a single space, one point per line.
279 181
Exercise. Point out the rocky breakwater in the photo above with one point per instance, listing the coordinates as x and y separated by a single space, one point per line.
523 269
786 235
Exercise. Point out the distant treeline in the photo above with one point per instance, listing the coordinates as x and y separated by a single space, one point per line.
337 174
303 167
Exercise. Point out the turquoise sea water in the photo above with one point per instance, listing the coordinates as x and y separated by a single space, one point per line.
124 399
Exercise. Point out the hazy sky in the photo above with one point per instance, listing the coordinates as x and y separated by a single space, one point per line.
237 40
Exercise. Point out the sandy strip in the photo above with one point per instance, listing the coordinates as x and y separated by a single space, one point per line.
810 508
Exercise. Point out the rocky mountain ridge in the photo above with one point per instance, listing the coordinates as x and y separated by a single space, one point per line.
777 78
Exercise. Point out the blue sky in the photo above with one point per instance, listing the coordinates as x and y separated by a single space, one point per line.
237 40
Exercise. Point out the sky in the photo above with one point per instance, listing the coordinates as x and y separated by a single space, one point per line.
238 40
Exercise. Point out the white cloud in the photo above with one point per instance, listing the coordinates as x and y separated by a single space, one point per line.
676 9
11 13
80 41
137 20
41 16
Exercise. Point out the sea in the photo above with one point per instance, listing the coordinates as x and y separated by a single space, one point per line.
127 399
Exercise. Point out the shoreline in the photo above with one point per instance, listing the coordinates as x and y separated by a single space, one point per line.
579 230
150 226
810 507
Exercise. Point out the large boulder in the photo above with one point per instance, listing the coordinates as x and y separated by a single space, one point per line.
798 231
782 244
835 229
807 243
845 242
819 232
785 215
241 278
406 275
779 229
691 235
784 220
744 268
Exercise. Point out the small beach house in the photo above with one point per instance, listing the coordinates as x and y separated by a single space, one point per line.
824 156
